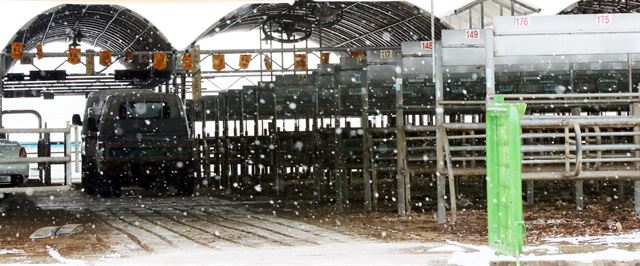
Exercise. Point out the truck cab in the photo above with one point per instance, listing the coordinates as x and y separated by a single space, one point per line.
136 137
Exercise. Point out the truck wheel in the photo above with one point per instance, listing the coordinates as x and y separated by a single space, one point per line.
108 186
185 186
17 181
89 175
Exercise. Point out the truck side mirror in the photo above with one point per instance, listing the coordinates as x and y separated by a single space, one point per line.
91 124
75 119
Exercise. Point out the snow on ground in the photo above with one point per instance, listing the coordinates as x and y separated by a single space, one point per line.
10 251
353 253
602 240
551 251
56 256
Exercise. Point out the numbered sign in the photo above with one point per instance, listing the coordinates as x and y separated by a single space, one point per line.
128 56
187 62
39 52
245 59
426 45
73 57
324 58
472 34
159 61
26 60
105 58
218 61
603 19
357 54
16 50
268 64
522 21
386 54
300 62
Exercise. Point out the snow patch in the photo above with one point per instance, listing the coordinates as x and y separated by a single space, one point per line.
11 251
603 240
447 248
56 256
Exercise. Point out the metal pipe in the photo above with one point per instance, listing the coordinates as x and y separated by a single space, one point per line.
578 141
440 130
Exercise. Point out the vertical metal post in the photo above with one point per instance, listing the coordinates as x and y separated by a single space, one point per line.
402 174
317 171
629 73
433 37
635 110
530 189
275 152
183 87
439 86
513 8
579 185
489 66
366 149
338 140
76 146
2 73
225 144
67 153
256 143
482 15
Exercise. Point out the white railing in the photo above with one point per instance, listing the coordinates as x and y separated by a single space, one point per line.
65 159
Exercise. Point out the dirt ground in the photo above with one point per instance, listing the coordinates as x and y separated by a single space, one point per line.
22 217
543 220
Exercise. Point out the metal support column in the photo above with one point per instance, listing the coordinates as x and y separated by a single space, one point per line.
225 145
579 185
439 86
489 66
339 163
635 111
2 69
402 173
366 149
317 171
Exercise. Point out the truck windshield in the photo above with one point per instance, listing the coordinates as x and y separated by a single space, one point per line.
144 110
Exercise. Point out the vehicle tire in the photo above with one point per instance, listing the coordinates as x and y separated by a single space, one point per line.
17 180
89 175
108 186
185 186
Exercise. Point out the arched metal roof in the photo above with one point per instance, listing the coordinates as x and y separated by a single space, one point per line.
363 23
111 27
602 6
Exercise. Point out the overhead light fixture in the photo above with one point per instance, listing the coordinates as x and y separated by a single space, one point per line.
296 24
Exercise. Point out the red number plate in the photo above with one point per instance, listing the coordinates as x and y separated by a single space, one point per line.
473 34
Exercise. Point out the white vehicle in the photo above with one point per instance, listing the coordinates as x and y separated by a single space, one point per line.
12 174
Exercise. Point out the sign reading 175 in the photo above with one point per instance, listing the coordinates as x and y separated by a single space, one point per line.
603 19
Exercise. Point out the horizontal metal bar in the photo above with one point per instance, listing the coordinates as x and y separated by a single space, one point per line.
30 190
559 148
36 160
233 51
609 174
571 95
35 130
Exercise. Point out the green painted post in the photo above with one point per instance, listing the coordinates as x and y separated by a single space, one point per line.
504 177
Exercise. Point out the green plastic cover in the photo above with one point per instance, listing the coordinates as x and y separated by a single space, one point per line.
504 177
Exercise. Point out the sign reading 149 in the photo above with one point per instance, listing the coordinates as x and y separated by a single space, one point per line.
472 34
